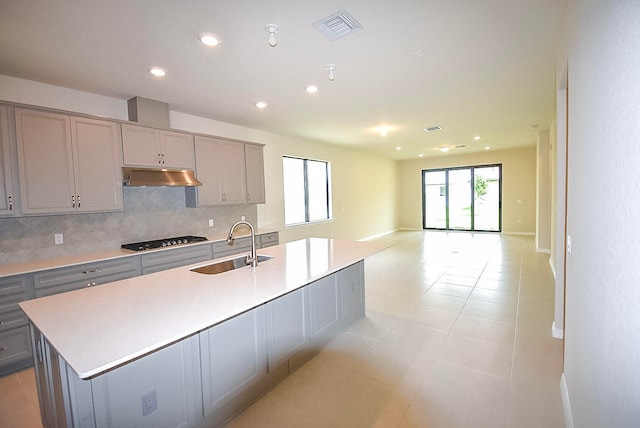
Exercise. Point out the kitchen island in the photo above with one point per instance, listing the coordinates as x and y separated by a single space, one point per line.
181 348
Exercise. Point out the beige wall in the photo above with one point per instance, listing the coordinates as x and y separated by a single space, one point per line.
543 193
518 183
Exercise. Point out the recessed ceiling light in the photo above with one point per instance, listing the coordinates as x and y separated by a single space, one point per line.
432 128
477 137
420 155
261 104
487 148
312 89
158 71
398 148
443 149
209 39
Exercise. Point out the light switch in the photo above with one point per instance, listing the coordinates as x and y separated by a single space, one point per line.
210 222
58 238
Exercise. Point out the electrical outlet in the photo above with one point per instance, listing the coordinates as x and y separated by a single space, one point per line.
149 403
210 222
58 238
242 218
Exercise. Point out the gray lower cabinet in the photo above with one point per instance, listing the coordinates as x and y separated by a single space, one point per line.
233 358
175 257
288 332
161 390
239 245
269 239
206 379
87 275
15 348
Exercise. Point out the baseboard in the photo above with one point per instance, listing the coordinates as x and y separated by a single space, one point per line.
566 404
553 267
519 233
369 238
557 333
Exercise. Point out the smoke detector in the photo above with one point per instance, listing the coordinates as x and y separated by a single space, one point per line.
338 25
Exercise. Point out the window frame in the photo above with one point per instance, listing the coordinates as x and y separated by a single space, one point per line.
307 197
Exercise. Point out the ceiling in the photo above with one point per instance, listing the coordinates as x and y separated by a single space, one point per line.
472 67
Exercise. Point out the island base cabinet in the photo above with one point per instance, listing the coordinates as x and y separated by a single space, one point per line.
206 379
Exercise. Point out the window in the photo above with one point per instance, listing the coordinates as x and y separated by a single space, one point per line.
306 190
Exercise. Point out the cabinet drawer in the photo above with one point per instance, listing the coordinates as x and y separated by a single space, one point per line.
175 257
12 318
223 249
269 239
13 289
87 275
15 345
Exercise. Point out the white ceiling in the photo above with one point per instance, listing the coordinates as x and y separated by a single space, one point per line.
472 67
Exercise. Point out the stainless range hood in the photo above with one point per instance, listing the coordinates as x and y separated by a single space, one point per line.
159 177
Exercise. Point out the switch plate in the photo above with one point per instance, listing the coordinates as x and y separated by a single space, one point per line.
149 403
58 238
210 222
242 218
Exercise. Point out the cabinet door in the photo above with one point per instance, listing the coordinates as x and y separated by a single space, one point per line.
233 362
163 260
287 332
6 185
325 314
232 168
254 161
45 162
141 146
208 172
97 164
177 150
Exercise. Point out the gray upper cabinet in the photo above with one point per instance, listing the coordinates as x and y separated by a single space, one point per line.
7 202
220 166
254 160
67 164
152 147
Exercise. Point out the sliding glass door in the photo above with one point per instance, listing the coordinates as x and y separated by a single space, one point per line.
467 198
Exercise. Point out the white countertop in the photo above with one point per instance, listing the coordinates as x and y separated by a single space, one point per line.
96 329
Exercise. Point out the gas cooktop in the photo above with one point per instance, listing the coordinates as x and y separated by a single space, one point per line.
160 243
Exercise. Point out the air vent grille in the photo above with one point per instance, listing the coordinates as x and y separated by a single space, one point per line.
338 25
432 129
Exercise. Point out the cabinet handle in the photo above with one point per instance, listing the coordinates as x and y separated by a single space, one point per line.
10 203
84 272
4 348
91 284
78 197
73 201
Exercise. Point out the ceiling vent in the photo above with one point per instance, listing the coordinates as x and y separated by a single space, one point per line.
433 129
338 25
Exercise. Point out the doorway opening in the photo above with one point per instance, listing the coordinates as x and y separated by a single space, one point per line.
463 198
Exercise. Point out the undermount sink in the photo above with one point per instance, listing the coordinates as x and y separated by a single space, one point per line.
227 265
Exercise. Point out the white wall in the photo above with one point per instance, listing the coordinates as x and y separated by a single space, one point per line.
602 329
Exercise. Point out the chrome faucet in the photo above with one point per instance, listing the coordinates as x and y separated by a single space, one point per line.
252 258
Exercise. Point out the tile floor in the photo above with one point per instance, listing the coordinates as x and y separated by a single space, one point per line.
457 334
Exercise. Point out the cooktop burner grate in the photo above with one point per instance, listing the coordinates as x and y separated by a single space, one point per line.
160 243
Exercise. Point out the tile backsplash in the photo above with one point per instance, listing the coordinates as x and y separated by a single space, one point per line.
150 213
